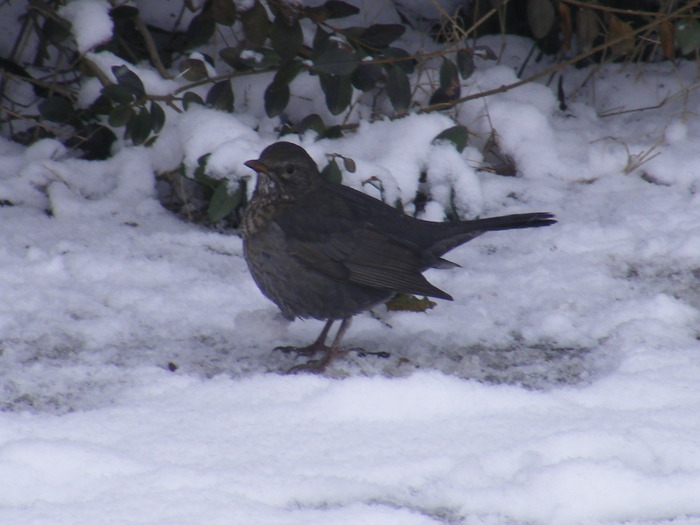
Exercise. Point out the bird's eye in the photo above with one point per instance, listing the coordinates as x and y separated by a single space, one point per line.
291 168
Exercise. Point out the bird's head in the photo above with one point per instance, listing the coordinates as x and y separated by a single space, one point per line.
284 170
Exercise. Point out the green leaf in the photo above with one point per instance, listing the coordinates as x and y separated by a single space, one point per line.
314 122
190 98
409 303
286 38
379 36
193 69
129 80
222 202
457 135
157 117
200 30
118 94
223 12
57 109
276 98
220 96
540 17
448 73
339 9
124 12
465 63
401 59
231 55
688 35
321 41
101 106
139 127
332 172
399 89
256 25
337 61
288 72
338 92
366 76
121 115
56 30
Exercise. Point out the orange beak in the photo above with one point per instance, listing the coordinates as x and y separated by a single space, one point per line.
257 165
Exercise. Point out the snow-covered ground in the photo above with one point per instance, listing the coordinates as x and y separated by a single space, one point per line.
138 382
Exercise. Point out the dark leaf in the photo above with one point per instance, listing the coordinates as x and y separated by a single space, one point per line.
118 94
338 92
331 9
337 61
200 30
338 9
193 69
332 172
334 132
457 135
286 39
465 63
139 127
540 17
191 98
366 76
349 164
98 145
120 115
401 59
57 109
448 73
440 96
688 35
124 12
200 172
399 89
379 36
220 96
101 105
314 122
288 72
256 25
129 80
321 41
157 117
56 30
231 55
222 202
223 12
587 28
276 98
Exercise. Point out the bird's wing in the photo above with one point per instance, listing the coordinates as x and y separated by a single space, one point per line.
359 253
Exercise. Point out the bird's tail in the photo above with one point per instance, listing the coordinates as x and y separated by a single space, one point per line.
464 231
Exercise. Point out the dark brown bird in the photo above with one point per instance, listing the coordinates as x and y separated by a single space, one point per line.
323 250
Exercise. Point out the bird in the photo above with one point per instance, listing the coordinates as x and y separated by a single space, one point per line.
322 250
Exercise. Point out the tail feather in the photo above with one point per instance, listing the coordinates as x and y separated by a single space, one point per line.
465 231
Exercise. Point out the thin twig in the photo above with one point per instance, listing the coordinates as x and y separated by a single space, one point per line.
151 47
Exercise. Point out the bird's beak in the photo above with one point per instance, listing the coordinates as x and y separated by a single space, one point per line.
257 165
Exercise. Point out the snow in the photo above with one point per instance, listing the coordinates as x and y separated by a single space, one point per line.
91 22
138 382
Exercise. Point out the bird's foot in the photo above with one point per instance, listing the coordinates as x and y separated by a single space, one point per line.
318 366
306 351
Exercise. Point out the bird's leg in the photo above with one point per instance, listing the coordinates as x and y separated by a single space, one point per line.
318 345
318 366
